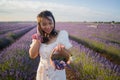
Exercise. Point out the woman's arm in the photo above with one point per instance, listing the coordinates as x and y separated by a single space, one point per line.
34 50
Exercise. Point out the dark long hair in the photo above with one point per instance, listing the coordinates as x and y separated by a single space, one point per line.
45 14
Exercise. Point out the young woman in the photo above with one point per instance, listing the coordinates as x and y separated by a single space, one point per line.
44 42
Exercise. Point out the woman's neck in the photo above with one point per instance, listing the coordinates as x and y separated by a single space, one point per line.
51 39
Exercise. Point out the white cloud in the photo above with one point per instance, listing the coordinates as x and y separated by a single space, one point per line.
29 10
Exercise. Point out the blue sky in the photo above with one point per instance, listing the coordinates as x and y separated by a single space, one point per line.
63 10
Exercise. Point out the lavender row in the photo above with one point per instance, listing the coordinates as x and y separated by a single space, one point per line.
7 27
16 31
106 33
105 63
12 36
15 62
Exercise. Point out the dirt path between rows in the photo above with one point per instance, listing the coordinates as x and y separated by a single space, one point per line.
71 75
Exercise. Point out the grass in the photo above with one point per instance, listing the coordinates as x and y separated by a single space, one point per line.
88 69
110 52
109 38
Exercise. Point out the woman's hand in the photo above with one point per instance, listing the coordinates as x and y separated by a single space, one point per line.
37 37
59 48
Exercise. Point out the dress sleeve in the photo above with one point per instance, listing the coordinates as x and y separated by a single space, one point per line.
64 39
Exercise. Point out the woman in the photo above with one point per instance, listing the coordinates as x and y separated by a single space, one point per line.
44 42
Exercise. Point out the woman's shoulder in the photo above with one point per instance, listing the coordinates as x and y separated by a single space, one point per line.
63 32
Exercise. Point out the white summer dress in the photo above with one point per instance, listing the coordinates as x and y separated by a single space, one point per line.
45 71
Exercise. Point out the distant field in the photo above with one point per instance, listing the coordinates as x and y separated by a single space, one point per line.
101 37
90 41
10 31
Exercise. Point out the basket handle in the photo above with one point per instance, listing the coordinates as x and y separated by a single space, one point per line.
51 62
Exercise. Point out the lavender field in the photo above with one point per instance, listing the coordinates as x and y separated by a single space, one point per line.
10 31
96 51
101 37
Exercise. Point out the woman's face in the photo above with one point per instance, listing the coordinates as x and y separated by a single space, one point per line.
47 24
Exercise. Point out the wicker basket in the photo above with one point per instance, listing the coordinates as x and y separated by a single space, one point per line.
63 55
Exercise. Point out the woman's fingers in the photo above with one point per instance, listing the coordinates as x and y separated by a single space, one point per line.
56 48
62 47
59 47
